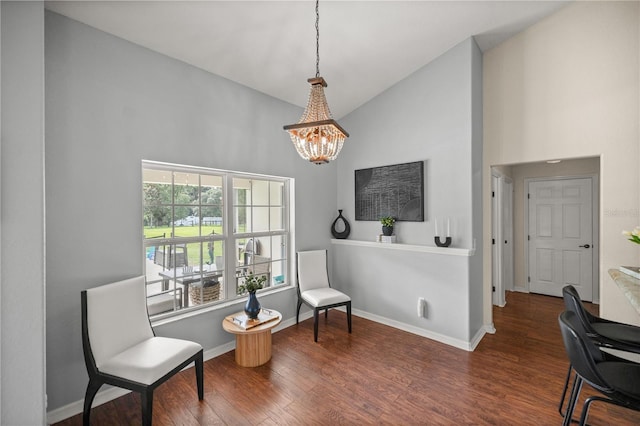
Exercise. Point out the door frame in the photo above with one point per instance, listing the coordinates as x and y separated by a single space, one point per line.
498 251
595 226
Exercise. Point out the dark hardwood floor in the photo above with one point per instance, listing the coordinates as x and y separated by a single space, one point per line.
381 375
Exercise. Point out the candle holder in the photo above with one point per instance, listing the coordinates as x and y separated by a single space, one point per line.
439 243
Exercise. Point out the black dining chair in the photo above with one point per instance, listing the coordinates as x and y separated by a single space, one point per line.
602 332
617 381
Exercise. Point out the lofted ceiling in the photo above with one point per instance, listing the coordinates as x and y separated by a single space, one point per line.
270 46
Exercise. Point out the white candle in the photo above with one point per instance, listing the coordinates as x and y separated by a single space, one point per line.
448 227
436 223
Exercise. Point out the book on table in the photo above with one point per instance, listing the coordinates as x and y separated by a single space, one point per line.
633 271
243 321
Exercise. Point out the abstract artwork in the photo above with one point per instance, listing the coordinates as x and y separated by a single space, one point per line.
396 190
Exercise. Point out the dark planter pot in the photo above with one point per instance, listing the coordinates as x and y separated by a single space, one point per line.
252 308
387 230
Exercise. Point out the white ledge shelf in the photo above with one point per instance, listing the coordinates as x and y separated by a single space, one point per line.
450 251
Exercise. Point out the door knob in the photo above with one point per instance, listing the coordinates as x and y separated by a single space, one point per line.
585 246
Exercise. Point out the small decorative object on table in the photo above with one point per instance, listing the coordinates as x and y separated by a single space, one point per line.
340 235
252 283
246 323
634 237
387 225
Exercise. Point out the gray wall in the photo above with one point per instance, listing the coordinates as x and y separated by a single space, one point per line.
476 292
22 367
427 116
110 104
434 115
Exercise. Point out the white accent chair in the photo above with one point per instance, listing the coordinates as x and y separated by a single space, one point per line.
121 349
314 289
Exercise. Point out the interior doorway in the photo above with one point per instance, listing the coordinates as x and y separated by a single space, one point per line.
520 175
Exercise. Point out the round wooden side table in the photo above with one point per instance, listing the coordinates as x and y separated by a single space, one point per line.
253 346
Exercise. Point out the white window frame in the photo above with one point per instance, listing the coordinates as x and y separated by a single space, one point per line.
229 236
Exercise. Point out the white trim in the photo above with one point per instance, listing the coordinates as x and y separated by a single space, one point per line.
207 170
229 237
489 328
112 393
499 184
192 312
457 343
408 247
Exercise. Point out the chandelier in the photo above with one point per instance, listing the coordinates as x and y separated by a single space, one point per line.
317 136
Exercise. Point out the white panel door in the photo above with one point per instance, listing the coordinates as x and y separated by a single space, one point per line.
560 236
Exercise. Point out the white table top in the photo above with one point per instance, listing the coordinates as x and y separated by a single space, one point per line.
629 285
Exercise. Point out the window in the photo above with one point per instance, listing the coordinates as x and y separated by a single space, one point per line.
198 246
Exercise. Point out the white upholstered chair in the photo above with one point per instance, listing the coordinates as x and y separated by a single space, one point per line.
121 349
314 289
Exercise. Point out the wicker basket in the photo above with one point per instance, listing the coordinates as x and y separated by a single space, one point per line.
210 292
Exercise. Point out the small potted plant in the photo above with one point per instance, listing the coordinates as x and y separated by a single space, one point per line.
251 284
387 225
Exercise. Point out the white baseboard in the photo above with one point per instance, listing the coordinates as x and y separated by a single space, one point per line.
110 393
457 343
489 328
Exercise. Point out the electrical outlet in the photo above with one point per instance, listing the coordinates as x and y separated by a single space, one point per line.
421 305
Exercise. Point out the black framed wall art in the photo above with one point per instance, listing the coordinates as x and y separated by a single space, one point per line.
396 190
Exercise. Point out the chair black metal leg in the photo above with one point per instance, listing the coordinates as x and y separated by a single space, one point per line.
585 410
326 313
591 400
564 391
298 311
146 398
573 400
315 325
349 316
90 394
199 376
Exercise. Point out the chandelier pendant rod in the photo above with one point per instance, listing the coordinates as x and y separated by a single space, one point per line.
317 38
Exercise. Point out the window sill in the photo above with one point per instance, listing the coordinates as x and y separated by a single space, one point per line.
408 247
195 311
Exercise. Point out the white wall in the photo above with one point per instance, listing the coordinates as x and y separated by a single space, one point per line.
569 87
433 116
22 368
110 104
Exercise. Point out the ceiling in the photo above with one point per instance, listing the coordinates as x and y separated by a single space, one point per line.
365 46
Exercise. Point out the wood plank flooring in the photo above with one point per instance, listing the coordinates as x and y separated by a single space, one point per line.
381 375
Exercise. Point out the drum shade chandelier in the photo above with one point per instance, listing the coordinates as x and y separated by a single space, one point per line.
317 136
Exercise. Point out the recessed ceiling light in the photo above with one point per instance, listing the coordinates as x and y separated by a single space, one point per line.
553 161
